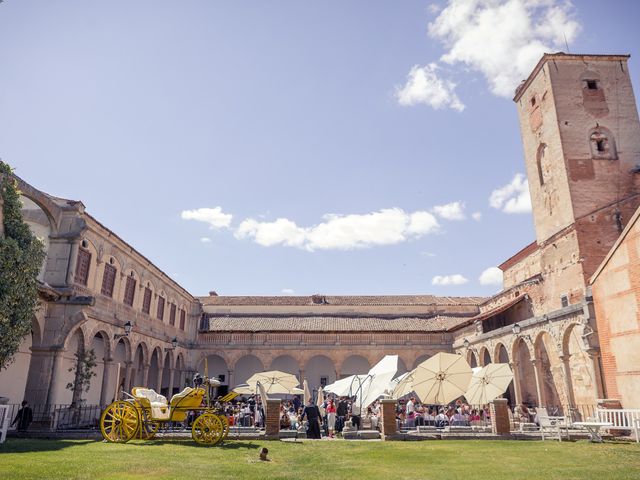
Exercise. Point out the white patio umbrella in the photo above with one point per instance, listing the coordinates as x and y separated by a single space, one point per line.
320 401
296 391
441 379
263 397
342 387
404 386
244 389
274 381
489 383
377 380
307 392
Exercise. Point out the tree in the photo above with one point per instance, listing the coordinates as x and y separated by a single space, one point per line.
21 257
83 373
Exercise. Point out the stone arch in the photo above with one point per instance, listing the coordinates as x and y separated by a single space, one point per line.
155 364
550 371
525 372
121 358
246 366
285 363
421 359
485 357
542 163
402 366
40 202
140 362
41 224
501 355
74 345
320 368
99 344
354 365
13 378
472 359
583 381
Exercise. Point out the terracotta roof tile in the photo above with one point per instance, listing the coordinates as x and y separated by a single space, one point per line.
340 300
331 324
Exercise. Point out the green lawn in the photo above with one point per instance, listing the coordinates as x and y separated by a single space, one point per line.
320 460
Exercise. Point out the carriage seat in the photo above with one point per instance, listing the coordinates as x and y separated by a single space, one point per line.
153 401
180 395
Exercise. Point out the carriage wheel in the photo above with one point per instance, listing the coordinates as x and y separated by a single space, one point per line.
207 429
225 426
119 422
149 430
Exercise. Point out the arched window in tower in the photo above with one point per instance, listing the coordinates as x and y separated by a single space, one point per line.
542 163
602 143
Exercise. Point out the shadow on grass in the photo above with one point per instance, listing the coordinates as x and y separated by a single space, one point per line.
233 445
20 445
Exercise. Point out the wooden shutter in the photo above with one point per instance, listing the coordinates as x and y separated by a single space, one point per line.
172 315
82 266
108 280
160 313
146 301
130 291
182 318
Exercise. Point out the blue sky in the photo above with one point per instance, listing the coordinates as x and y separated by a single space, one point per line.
320 136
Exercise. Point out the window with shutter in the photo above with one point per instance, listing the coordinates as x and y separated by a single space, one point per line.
108 280
130 291
82 267
172 315
160 313
146 301
182 319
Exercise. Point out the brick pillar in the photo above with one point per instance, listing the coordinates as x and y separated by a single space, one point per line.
500 417
388 417
272 422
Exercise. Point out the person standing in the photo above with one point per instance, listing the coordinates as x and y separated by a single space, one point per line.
24 417
331 417
341 413
312 412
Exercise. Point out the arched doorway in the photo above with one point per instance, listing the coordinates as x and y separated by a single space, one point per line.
285 363
137 373
550 372
99 348
154 369
167 369
402 367
320 370
583 381
74 348
471 359
247 366
502 356
420 359
485 357
525 372
354 365
121 355
217 368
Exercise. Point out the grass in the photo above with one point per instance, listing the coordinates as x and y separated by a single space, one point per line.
447 459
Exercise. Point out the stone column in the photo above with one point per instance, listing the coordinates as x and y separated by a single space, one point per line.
301 379
536 374
566 377
39 388
272 420
516 382
500 424
145 375
388 425
171 380
106 393
73 260
595 368
55 376
230 379
159 379
128 368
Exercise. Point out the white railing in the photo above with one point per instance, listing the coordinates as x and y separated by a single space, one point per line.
4 422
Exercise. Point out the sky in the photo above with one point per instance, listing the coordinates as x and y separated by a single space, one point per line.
293 148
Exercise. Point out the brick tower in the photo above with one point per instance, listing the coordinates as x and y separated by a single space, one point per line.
581 138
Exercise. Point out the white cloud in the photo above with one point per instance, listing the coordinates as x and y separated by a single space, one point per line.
513 197
425 86
500 39
214 217
477 216
491 276
205 240
434 8
427 254
287 291
342 232
455 279
450 211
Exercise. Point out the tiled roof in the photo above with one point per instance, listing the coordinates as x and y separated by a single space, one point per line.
331 324
340 300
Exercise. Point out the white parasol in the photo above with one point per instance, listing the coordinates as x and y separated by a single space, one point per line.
342 387
378 380
489 383
307 392
320 401
274 381
442 378
263 397
404 385
244 389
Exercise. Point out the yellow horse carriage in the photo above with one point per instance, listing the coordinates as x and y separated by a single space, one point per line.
147 413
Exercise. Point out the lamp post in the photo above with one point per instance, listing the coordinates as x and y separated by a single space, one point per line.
174 344
127 330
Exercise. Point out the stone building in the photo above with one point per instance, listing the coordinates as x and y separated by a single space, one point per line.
581 138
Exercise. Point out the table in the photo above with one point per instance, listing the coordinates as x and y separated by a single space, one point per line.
594 429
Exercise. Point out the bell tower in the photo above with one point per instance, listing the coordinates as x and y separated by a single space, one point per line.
581 138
